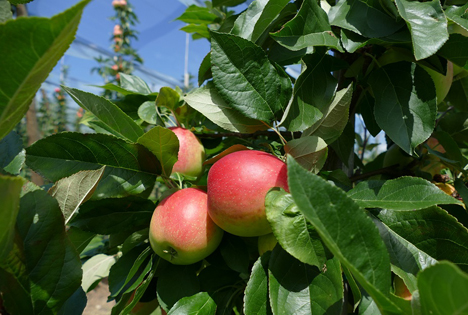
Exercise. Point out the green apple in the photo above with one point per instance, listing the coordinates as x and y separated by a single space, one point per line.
266 243
237 186
181 231
191 153
396 156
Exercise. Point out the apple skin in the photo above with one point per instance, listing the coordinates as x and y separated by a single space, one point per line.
181 231
237 186
266 243
191 153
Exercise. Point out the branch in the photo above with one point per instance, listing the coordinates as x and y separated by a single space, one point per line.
385 170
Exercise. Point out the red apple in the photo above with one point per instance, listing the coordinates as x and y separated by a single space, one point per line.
181 231
237 186
191 153
401 289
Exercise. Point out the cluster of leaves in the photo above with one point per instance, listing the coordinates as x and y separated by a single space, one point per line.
343 237
125 55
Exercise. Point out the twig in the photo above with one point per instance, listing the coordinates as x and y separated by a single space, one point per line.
385 170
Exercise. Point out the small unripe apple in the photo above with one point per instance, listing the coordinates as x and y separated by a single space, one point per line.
237 186
118 30
266 243
191 153
181 231
396 156
401 289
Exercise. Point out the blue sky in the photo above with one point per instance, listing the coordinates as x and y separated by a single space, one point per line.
161 44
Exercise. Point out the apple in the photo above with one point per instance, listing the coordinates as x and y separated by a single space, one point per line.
237 186
181 231
396 156
266 243
191 153
447 188
401 289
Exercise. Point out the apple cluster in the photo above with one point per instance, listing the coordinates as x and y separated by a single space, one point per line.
188 225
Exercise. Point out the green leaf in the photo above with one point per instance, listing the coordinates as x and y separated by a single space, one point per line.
13 154
198 304
404 193
427 23
108 113
442 289
110 216
405 103
19 1
134 84
198 15
432 230
406 259
368 19
141 289
72 191
128 272
310 152
352 41
207 101
313 92
10 188
458 15
5 11
335 117
147 111
245 78
367 104
42 262
75 152
199 29
344 145
227 3
298 288
76 304
235 253
168 98
293 232
164 144
310 27
256 301
253 22
96 268
455 50
346 230
79 238
204 72
135 239
34 47
175 283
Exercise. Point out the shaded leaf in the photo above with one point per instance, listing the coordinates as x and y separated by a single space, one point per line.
10 188
72 191
34 47
168 98
405 103
404 193
455 50
109 216
13 154
76 304
298 288
42 262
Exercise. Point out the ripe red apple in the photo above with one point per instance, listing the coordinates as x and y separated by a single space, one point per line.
181 231
237 186
191 153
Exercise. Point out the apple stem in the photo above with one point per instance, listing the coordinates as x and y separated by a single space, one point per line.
175 117
283 141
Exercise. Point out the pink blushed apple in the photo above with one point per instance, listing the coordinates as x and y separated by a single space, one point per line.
181 231
191 153
237 186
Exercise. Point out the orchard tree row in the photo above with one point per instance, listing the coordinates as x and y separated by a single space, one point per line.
254 193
